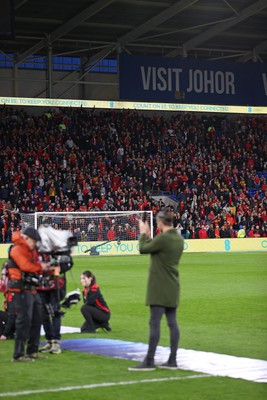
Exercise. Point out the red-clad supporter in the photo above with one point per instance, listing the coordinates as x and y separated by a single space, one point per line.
230 219
132 234
83 207
111 235
257 232
217 232
251 232
203 234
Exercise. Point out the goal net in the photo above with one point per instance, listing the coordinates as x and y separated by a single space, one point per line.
27 219
93 228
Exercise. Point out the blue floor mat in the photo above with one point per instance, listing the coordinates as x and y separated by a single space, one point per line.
106 347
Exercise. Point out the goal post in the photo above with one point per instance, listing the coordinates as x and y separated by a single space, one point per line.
117 230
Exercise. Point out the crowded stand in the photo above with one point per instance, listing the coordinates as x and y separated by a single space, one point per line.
76 160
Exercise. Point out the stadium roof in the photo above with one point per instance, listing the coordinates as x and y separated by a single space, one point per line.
211 29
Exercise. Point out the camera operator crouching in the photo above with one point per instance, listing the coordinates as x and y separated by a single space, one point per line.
52 291
24 270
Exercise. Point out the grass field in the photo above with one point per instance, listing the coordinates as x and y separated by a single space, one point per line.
223 309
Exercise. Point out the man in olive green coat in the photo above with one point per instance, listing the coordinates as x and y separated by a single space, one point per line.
163 285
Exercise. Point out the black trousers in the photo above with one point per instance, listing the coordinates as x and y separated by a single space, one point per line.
3 321
28 310
7 321
156 313
94 317
51 318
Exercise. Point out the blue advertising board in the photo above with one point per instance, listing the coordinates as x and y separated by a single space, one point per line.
192 81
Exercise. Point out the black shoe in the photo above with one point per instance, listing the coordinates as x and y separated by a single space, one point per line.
106 327
37 356
85 328
24 358
169 365
144 366
89 331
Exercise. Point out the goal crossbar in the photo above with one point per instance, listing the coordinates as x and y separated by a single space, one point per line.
127 217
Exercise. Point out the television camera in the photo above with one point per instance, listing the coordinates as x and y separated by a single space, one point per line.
58 244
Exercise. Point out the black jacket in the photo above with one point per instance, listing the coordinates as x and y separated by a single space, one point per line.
93 297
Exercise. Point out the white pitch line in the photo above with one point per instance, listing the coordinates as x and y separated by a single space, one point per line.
97 385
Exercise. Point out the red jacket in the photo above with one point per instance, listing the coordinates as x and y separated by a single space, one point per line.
25 258
111 234
203 234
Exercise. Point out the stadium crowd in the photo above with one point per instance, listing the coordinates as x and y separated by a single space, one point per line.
215 167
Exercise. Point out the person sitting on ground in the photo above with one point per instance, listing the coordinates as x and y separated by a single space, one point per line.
95 309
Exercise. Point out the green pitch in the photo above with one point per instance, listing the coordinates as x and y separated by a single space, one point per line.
223 309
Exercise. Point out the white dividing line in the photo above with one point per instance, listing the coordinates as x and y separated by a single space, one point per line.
97 385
